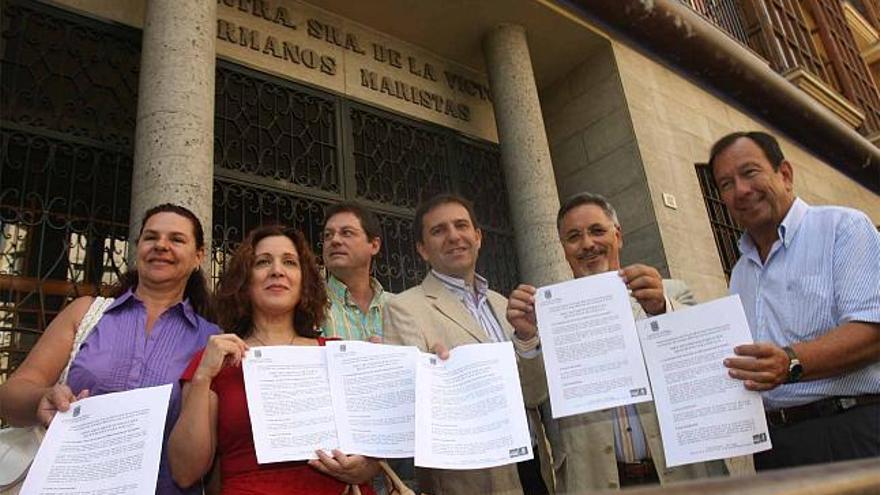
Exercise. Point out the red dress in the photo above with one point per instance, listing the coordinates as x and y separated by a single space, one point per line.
239 472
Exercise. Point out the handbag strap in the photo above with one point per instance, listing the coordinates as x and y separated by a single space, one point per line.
393 484
86 325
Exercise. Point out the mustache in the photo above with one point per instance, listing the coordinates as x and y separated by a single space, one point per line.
586 253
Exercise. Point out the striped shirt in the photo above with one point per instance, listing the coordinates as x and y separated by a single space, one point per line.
476 300
822 272
345 319
630 444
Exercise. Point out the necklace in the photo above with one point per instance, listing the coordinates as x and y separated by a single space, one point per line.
254 335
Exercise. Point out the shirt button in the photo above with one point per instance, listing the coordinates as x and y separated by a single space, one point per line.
609 449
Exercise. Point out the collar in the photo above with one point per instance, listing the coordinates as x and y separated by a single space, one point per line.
786 229
481 285
128 297
339 290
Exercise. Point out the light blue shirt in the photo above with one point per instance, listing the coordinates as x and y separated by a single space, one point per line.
822 272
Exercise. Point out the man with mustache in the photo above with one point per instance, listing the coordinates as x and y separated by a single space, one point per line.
809 280
351 241
453 306
617 447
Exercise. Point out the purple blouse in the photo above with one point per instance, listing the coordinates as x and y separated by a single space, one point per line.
119 355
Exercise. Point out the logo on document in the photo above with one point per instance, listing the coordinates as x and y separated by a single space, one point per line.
655 326
342 348
638 392
258 353
518 452
433 361
547 294
76 411
759 438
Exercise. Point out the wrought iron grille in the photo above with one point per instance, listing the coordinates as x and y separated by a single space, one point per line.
68 95
69 74
396 162
726 14
387 162
724 227
240 207
267 129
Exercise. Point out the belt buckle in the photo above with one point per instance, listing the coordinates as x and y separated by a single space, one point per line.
782 417
845 403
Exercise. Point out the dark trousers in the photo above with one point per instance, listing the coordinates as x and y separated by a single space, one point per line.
852 434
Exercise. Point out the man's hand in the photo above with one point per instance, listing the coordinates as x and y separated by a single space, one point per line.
646 286
441 351
763 366
521 312
351 469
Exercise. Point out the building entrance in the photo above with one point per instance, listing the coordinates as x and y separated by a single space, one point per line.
283 152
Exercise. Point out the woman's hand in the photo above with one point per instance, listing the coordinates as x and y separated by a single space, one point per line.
57 398
351 469
225 349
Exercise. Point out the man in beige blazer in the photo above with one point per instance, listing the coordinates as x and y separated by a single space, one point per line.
586 451
453 306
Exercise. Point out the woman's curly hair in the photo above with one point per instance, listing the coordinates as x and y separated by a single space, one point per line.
232 297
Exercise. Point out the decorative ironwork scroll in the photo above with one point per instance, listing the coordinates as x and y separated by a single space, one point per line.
68 90
273 130
397 162
387 162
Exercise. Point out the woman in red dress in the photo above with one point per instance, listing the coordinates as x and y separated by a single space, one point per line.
271 293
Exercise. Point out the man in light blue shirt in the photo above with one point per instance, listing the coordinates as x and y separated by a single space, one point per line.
809 280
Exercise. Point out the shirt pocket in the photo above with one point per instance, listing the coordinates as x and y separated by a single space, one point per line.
811 300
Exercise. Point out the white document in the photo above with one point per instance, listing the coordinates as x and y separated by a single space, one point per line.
374 390
105 444
469 409
591 349
288 396
704 413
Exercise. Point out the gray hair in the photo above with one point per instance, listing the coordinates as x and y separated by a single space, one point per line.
586 198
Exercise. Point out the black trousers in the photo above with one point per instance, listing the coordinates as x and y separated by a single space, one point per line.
852 434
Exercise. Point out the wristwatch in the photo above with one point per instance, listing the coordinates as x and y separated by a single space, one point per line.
795 369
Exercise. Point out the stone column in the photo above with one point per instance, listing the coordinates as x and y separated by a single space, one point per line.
174 138
525 155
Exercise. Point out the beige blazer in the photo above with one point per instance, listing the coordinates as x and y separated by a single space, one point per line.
582 446
429 314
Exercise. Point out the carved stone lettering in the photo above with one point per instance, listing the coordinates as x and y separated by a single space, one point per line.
263 9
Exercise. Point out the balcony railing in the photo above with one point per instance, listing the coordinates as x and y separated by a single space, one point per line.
725 14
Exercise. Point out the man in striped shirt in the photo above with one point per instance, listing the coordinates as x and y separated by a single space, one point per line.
809 280
351 240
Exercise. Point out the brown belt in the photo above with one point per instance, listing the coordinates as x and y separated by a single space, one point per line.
636 470
819 409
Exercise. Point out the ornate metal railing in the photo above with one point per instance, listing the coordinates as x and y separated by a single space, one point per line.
724 227
284 152
68 90
726 14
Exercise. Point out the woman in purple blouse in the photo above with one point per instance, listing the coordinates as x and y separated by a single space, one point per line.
145 337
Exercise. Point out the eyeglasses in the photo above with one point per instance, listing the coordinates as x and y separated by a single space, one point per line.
594 232
345 233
